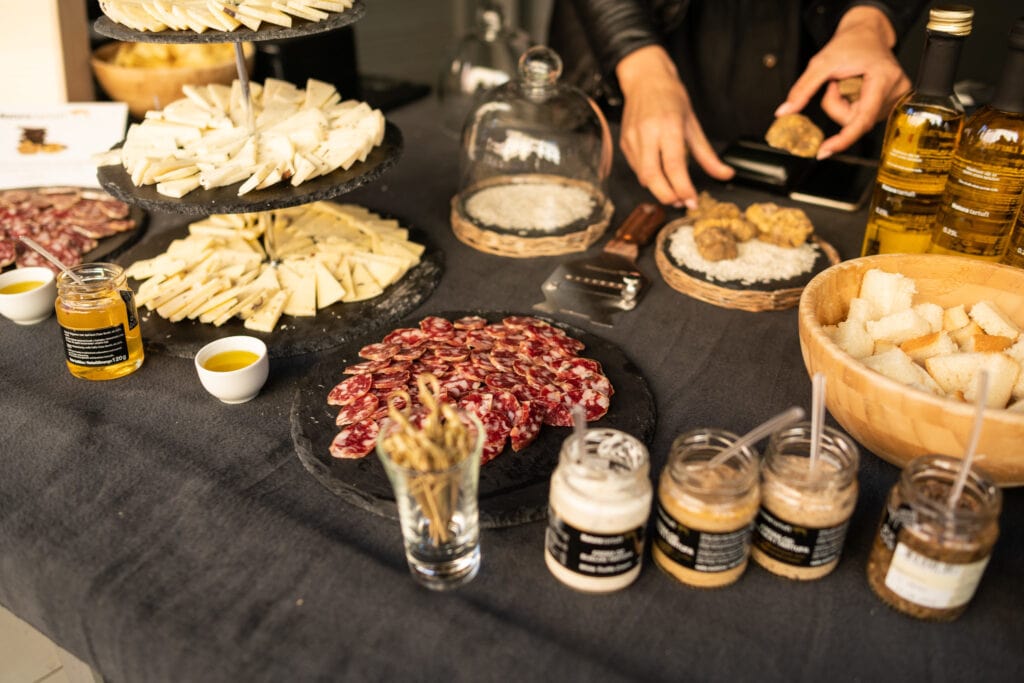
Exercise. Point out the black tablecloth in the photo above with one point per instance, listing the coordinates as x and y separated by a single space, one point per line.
160 535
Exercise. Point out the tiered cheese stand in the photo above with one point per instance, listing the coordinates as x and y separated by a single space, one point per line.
332 326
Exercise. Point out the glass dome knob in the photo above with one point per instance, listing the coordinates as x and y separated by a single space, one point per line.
539 70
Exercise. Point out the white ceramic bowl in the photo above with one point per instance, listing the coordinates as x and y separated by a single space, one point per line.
234 386
33 306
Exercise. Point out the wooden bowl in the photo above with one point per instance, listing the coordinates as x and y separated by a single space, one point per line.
894 421
154 87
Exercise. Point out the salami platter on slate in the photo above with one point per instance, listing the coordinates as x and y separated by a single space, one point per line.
78 225
519 374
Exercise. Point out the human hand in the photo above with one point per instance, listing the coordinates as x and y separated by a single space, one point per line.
861 46
659 128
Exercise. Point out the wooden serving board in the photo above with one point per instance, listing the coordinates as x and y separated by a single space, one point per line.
513 486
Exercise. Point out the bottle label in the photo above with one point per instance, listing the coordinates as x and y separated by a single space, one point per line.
931 583
131 313
892 522
796 545
593 554
702 551
94 348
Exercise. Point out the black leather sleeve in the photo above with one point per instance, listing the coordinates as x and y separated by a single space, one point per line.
822 17
614 28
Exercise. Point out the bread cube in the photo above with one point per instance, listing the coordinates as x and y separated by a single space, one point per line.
887 293
934 344
959 372
962 335
954 318
852 338
898 327
932 313
860 309
897 365
993 320
986 342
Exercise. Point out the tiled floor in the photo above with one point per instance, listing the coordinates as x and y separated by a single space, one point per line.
27 656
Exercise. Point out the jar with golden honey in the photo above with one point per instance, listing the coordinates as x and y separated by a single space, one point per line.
705 514
805 511
98 321
928 558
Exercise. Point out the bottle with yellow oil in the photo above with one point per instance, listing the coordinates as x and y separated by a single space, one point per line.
99 321
986 181
920 137
1015 253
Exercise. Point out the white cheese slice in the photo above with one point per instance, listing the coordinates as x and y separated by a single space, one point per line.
328 289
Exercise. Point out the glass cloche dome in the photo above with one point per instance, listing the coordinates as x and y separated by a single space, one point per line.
534 162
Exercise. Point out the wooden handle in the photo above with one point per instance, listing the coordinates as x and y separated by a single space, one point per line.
641 224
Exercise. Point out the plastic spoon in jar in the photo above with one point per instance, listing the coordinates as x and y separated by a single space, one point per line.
972 442
783 419
579 429
817 417
51 258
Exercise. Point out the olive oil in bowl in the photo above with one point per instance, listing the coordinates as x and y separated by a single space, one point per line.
229 361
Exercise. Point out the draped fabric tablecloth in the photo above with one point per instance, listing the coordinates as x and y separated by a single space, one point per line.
162 536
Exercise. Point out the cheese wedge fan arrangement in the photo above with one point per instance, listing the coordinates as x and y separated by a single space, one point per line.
211 138
258 266
217 15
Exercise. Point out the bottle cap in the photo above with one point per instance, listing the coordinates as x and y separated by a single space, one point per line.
954 20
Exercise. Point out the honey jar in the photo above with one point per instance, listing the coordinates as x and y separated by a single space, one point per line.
928 557
705 512
99 322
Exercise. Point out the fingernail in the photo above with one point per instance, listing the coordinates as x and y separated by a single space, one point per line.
784 109
677 205
691 203
823 154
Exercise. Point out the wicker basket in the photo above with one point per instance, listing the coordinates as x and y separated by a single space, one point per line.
755 300
519 244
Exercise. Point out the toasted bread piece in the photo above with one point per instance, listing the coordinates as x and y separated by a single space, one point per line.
987 342
1016 351
898 327
959 372
897 365
954 317
934 344
887 293
992 319
1017 407
963 334
860 309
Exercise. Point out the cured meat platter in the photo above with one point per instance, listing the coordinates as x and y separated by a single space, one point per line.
513 482
78 225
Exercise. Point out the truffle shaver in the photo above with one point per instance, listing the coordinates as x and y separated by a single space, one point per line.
600 286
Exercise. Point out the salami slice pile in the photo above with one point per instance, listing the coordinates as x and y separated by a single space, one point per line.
67 221
516 376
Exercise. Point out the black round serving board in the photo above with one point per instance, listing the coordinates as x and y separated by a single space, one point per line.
514 486
107 248
821 262
116 180
293 335
299 28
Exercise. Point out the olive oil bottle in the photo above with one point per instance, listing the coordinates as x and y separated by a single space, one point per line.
920 137
983 192
1015 252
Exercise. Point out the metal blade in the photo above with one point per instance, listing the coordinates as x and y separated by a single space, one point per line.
595 289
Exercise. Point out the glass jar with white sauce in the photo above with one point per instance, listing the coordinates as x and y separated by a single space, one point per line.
598 508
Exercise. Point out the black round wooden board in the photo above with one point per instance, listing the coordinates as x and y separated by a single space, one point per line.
293 336
109 247
116 180
821 262
299 28
514 486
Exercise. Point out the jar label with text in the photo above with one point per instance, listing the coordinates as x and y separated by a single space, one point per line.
931 583
797 545
131 312
593 554
95 348
702 551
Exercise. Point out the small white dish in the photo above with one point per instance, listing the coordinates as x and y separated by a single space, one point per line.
33 305
226 374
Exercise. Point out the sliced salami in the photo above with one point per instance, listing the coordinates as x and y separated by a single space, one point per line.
507 404
470 322
594 403
409 352
379 351
451 353
578 366
361 409
389 381
497 430
526 425
477 402
501 380
366 367
558 416
356 440
406 336
521 322
502 360
435 326
346 392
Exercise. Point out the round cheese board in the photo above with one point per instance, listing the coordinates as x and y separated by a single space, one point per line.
514 485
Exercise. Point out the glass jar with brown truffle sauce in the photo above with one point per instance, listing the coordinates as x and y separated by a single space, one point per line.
705 513
805 511
928 558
